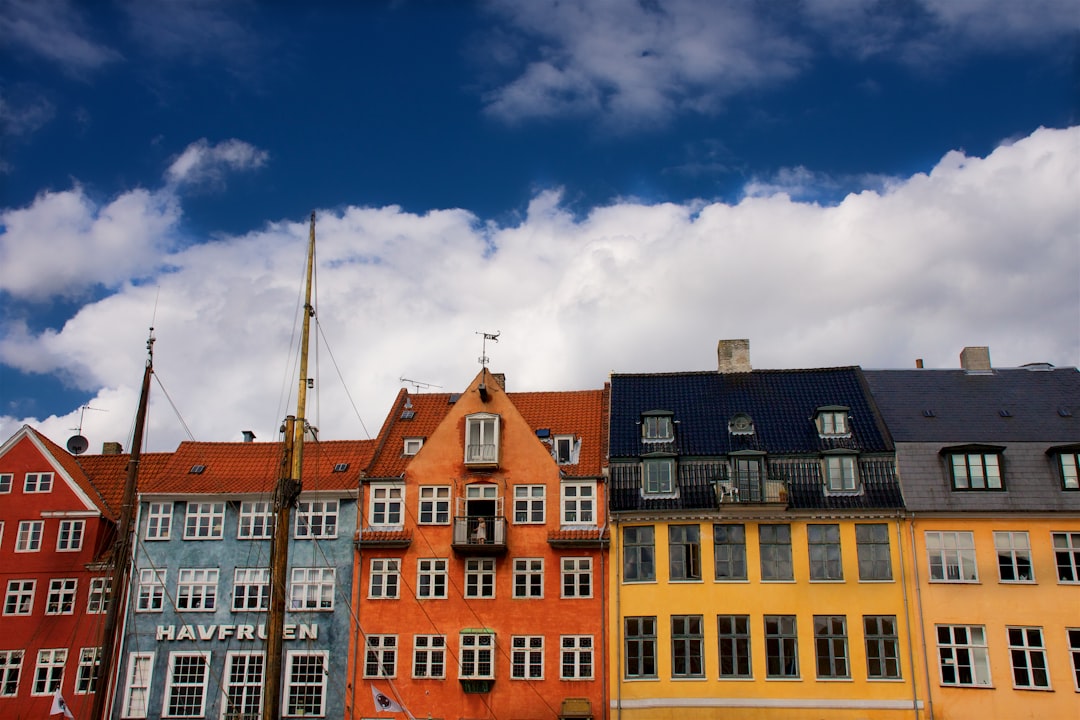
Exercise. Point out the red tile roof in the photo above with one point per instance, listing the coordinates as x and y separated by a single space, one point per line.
427 411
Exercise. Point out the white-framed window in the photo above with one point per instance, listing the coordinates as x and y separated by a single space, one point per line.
159 517
528 577
1014 557
529 501
1027 651
49 672
576 577
431 578
256 520
1069 464
70 536
833 422
434 505
86 676
480 578
316 519
312 588
412 445
1072 635
251 590
952 556
657 428
384 578
476 656
151 590
204 521
19 599
841 473
387 506
578 503
97 599
61 597
527 657
564 449
576 657
242 685
380 656
10 670
305 683
659 475
962 655
481 439
29 538
429 656
185 684
40 482
137 685
1067 556
5 483
976 470
196 589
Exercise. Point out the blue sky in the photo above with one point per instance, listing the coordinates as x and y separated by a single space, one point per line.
613 185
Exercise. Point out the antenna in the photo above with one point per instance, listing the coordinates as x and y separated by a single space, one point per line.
494 337
417 384
77 444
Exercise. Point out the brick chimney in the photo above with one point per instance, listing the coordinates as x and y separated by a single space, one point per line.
975 359
112 448
733 356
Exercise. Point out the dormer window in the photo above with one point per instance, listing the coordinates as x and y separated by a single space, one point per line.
657 426
832 421
975 467
1068 465
841 473
412 445
482 439
658 475
564 449
741 424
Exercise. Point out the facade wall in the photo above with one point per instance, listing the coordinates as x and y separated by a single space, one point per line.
172 632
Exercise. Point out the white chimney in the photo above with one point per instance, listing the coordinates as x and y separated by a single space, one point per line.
975 359
733 356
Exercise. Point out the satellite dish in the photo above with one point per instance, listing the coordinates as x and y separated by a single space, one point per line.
77 444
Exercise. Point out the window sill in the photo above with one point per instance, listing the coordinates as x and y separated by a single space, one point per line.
744 581
1017 582
814 581
889 581
834 679
954 582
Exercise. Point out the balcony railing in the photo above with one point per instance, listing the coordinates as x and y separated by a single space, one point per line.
481 454
750 490
480 535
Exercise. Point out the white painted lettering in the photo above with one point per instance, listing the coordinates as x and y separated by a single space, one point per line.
206 632
186 633
165 632
245 632
309 632
225 631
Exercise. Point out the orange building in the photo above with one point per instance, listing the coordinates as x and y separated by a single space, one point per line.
481 556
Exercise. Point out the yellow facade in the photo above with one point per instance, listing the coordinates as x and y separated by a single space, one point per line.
855 696
1042 603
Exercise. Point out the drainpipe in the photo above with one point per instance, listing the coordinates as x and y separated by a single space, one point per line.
603 605
922 619
618 619
907 620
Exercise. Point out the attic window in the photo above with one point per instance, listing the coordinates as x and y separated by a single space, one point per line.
408 414
841 473
1068 464
657 426
563 449
341 467
741 424
196 469
412 445
832 421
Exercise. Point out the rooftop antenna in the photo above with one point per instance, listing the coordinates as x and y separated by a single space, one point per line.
77 444
494 337
417 384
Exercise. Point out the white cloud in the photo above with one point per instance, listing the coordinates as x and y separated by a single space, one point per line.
978 251
204 164
63 243
632 62
53 29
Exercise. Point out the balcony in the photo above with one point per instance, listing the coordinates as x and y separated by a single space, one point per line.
479 535
749 490
482 455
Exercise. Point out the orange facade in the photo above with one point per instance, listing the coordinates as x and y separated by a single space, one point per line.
481 556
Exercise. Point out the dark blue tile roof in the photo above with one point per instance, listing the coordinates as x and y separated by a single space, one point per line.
956 406
781 403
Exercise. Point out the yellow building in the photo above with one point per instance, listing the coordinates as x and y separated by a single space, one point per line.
758 559
988 462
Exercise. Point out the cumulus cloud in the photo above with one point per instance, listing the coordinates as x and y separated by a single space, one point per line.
64 243
204 164
977 251
633 62
54 30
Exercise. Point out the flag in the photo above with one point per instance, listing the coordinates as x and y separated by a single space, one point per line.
383 703
59 706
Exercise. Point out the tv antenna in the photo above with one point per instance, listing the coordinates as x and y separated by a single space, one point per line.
494 337
417 384
77 444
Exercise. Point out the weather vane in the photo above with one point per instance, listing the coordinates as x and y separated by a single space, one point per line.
494 337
